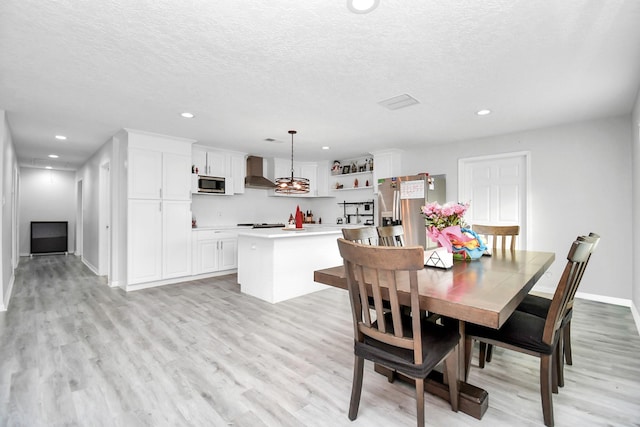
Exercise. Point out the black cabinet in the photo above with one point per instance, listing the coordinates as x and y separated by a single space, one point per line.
49 237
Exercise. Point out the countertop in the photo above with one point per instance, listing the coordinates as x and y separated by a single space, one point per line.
277 233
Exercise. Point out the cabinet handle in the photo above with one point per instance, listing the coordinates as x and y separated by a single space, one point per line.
160 206
161 193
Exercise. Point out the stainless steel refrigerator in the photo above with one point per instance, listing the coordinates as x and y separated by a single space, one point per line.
400 199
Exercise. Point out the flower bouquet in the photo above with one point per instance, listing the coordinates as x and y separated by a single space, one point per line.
445 225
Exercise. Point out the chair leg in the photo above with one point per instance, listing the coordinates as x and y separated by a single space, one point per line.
483 354
468 347
420 401
554 370
356 387
559 362
451 368
489 352
567 343
546 367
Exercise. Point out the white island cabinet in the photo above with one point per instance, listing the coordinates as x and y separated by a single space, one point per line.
276 265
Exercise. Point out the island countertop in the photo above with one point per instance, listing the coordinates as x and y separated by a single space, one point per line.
279 233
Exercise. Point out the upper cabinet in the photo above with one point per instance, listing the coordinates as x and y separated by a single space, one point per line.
228 164
316 172
363 173
209 162
387 163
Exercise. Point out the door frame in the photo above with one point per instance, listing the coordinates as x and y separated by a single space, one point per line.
525 232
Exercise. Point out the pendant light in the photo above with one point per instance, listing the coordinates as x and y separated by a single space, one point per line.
291 184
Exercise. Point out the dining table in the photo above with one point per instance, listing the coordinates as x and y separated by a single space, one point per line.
485 291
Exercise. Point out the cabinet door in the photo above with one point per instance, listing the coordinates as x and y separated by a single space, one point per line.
176 177
207 256
238 172
144 241
199 161
217 164
310 171
145 174
176 245
228 254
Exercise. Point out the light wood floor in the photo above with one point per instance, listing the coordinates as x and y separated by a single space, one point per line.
75 352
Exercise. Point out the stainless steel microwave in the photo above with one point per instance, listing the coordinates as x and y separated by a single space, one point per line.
211 184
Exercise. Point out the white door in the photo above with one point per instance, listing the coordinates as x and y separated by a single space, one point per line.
104 222
497 188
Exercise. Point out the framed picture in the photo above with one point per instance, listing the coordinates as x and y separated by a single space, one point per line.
346 169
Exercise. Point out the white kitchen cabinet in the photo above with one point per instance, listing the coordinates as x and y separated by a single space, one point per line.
211 163
145 174
228 253
387 165
176 177
238 171
214 251
176 239
318 180
158 175
144 243
159 208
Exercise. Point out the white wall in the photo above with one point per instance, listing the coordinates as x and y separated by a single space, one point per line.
46 195
9 164
580 182
635 129
89 174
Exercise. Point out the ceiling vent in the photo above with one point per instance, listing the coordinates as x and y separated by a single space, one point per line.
398 102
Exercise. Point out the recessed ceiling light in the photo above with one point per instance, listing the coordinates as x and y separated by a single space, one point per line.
483 112
187 115
326 147
362 6
61 137
48 167
53 156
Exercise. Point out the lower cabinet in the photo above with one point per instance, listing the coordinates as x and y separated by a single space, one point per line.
159 240
214 251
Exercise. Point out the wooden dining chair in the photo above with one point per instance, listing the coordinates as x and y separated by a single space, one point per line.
492 234
539 306
407 344
536 336
364 235
391 235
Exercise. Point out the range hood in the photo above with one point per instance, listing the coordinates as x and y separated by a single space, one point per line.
255 176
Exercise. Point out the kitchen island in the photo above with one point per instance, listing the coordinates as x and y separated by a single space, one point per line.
276 265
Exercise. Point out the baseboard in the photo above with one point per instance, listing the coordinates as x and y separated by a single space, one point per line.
147 285
88 264
4 304
601 298
636 316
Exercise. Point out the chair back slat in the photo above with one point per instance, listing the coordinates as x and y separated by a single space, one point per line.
491 234
364 235
567 286
391 235
379 272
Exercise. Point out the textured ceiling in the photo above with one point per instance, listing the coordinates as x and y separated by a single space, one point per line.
254 70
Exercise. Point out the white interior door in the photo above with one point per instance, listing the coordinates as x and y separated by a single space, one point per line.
104 221
497 187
